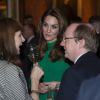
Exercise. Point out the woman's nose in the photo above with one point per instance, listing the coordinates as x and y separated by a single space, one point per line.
48 29
23 39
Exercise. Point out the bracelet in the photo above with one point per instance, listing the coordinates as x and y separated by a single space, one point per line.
34 91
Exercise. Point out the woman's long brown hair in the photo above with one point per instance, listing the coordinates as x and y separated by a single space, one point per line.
57 52
8 52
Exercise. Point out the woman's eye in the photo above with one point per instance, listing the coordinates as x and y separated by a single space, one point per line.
54 27
44 24
20 35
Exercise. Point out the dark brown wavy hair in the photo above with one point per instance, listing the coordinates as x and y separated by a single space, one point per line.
57 52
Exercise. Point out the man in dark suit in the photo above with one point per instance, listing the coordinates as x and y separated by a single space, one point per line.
90 89
31 41
80 44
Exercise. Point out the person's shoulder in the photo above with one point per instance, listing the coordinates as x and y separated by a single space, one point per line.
88 60
92 81
8 67
74 73
5 64
89 89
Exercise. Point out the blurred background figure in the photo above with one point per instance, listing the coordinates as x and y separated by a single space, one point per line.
89 89
28 19
95 21
29 34
67 10
76 19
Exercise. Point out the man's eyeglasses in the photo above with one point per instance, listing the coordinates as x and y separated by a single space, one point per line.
69 38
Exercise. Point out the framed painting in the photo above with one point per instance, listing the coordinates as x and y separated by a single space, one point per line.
13 9
9 8
3 8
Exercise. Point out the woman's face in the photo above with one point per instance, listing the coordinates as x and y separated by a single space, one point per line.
18 40
50 28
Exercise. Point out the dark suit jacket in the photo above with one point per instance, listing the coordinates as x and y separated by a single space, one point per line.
87 66
26 62
90 89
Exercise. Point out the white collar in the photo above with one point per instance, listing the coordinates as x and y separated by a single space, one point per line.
79 56
28 40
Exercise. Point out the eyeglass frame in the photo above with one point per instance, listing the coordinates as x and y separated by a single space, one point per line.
69 38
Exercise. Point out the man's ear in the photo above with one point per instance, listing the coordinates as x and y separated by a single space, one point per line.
81 43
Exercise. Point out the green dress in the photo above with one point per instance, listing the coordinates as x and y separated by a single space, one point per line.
53 71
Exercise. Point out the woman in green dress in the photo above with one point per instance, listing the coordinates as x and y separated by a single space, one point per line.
51 28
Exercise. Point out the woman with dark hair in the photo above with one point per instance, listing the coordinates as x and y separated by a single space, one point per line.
12 81
51 56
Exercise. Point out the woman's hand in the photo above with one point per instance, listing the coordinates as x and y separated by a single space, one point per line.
44 87
37 72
